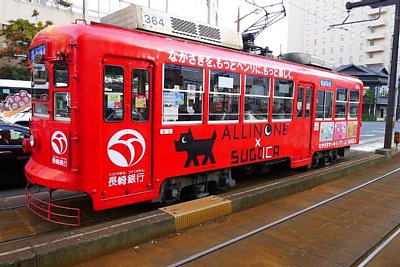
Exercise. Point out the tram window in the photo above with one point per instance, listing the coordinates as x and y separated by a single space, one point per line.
40 90
354 102
113 94
41 110
341 103
324 105
308 102
319 114
61 76
183 94
283 100
140 95
224 96
328 105
299 102
62 106
40 74
256 102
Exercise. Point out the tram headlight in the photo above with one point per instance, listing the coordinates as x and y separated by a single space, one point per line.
32 140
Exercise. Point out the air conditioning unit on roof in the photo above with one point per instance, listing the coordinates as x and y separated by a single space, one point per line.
138 17
307 59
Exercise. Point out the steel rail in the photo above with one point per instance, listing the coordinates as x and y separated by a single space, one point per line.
269 225
377 250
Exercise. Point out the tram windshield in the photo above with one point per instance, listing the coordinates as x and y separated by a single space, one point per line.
40 90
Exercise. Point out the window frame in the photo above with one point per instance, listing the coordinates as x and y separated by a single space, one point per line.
324 105
291 98
210 93
354 102
201 92
345 102
300 102
44 98
267 97
67 119
104 108
148 92
309 96
54 74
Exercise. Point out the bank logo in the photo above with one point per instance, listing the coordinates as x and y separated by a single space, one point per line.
59 142
126 148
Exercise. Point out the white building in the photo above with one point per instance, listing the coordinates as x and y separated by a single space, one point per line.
59 11
366 43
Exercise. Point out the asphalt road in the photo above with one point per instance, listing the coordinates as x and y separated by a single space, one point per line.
375 129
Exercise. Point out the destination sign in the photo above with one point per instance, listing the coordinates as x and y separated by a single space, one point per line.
37 51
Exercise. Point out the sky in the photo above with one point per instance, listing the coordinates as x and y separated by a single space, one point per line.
275 36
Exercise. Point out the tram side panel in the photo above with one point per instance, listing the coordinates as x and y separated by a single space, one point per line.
337 125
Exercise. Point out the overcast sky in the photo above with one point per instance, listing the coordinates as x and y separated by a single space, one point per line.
275 36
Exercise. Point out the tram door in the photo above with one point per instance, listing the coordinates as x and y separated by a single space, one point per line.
302 119
126 127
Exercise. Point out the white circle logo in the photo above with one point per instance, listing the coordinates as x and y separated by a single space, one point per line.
59 142
126 148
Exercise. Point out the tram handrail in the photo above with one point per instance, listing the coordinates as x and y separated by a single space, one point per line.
45 210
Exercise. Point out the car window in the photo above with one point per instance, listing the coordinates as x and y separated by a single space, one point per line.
11 137
5 137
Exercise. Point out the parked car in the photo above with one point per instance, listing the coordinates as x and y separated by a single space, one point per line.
11 154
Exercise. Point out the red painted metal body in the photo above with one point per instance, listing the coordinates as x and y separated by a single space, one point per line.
77 154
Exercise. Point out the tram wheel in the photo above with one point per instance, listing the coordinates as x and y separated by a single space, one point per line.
249 169
265 168
315 161
335 155
325 160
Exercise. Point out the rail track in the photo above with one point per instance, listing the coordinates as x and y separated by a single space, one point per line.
361 261
15 204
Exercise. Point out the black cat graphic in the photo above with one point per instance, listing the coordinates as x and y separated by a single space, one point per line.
195 148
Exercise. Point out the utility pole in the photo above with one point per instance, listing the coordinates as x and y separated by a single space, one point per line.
238 20
393 66
392 83
85 9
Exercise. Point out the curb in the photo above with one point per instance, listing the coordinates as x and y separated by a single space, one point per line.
85 243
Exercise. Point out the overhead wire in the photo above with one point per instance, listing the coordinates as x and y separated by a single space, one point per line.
318 16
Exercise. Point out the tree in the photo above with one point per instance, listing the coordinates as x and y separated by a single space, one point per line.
18 36
14 72
369 99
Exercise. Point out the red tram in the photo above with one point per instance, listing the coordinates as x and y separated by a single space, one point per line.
128 116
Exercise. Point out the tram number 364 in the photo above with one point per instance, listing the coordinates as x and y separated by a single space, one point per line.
153 20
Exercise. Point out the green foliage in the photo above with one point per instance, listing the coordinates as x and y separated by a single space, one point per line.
18 36
14 73
369 97
367 117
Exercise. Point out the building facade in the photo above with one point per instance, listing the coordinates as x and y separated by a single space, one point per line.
376 90
367 42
